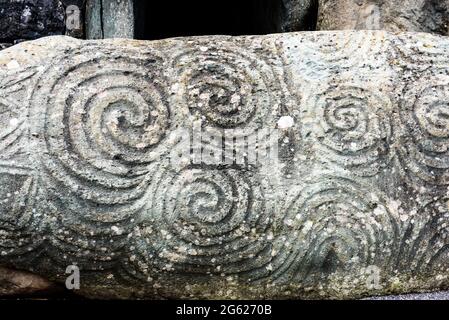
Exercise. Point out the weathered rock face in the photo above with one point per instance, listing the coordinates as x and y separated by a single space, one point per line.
30 19
354 201
109 19
409 15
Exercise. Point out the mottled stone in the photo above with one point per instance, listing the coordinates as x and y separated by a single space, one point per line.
110 19
407 15
353 201
30 19
298 15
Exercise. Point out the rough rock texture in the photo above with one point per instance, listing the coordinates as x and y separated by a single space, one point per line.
356 203
109 19
18 283
30 19
408 15
297 15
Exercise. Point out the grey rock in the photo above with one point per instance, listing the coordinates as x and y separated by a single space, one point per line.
110 19
30 19
298 15
409 15
441 295
353 202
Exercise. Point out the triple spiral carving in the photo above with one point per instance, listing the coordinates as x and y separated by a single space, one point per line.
351 127
425 115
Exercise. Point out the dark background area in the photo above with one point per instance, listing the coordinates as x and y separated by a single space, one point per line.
163 19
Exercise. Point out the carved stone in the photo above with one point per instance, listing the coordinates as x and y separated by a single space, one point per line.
354 202
408 15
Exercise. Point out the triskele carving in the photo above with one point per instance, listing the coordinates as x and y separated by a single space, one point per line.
105 152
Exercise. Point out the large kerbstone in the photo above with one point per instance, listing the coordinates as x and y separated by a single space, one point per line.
355 204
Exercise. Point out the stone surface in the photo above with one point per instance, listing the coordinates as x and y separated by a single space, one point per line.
18 283
355 204
30 19
408 15
110 19
442 295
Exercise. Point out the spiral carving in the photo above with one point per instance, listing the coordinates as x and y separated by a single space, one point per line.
352 128
424 152
337 226
106 116
18 219
209 221
231 87
428 248
13 115
90 173
12 122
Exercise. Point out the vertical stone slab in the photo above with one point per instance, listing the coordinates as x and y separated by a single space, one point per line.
118 19
110 19
94 22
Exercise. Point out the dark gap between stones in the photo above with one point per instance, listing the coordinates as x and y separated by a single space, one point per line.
212 17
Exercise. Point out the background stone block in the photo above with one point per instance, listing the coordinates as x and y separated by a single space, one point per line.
30 19
409 15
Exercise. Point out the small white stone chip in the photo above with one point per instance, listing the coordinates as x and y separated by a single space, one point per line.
13 64
286 122
116 230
